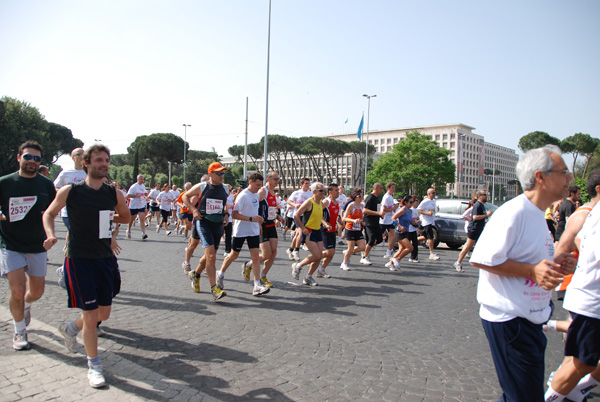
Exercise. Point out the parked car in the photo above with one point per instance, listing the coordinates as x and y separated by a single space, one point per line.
449 222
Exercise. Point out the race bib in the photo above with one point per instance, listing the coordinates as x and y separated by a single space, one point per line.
272 213
356 226
20 206
104 220
214 206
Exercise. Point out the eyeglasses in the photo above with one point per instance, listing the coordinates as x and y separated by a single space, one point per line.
35 158
78 153
219 173
562 171
321 190
274 178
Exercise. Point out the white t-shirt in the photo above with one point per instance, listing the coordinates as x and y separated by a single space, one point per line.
467 216
139 202
342 200
166 198
230 199
415 218
427 205
153 194
246 204
69 177
298 197
387 201
583 293
517 231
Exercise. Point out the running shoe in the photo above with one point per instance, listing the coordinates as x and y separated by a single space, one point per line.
168 233
344 266
195 281
434 257
296 255
100 332
60 272
310 281
340 241
388 255
322 274
365 261
70 341
27 315
221 282
95 377
396 263
128 232
390 265
157 228
304 247
264 281
296 269
217 292
260 290
20 341
187 267
246 270
290 254
458 267
144 236
413 260
225 254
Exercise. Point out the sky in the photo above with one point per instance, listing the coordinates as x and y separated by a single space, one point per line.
114 70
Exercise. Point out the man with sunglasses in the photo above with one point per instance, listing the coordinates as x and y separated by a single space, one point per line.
24 196
476 225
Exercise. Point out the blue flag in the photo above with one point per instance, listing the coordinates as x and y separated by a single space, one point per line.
360 127
346 121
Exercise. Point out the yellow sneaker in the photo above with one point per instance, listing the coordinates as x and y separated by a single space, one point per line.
217 292
246 270
195 281
266 282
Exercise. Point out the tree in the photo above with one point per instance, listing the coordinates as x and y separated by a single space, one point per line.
537 139
580 144
58 141
157 150
415 162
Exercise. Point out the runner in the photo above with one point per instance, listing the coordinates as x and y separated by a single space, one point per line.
154 208
342 200
194 239
295 200
90 263
137 205
476 225
210 218
372 213
412 231
353 217
403 218
308 219
174 211
427 209
185 217
388 207
331 218
24 195
165 201
246 227
229 226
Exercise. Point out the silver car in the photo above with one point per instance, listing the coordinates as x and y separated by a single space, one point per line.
449 222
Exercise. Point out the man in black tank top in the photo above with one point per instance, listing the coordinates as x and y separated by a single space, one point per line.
90 263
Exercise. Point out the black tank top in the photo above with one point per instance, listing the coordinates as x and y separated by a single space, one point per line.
90 216
216 198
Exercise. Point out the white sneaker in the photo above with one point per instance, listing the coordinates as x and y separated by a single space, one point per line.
365 261
304 247
187 267
60 272
20 341
157 229
290 254
95 377
100 332
322 274
344 266
390 266
388 255
310 281
434 257
296 269
413 260
396 263
260 290
296 255
70 341
168 233
458 267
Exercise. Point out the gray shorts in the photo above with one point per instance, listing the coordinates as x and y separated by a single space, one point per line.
34 263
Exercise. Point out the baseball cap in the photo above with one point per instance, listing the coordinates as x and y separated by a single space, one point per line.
216 167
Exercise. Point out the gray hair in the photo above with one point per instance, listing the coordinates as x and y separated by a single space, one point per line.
535 160
315 185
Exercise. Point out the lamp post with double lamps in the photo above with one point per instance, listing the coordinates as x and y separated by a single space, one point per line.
185 126
367 140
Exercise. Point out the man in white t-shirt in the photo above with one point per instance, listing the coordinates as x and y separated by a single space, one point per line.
518 270
137 205
579 373
295 200
388 204
154 207
427 209
246 227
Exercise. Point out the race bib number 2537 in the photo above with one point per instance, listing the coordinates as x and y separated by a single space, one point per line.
19 207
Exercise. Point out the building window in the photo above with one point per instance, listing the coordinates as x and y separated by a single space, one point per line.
445 137
452 145
451 136
437 137
395 141
370 141
382 149
376 142
389 140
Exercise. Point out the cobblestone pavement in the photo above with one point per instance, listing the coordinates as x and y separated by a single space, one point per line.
365 334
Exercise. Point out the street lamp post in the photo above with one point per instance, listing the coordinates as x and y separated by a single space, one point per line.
367 140
185 126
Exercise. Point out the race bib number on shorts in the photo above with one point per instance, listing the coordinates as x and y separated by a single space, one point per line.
104 220
272 213
19 207
213 206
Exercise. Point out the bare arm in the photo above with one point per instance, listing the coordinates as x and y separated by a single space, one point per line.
50 214
195 191
123 215
303 208
566 243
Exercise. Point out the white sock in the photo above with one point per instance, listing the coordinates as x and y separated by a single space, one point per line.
72 329
19 326
583 388
550 326
256 283
220 274
27 305
553 396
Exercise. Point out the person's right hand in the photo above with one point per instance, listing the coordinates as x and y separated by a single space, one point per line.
546 275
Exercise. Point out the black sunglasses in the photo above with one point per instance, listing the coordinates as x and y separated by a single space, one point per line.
219 173
35 158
